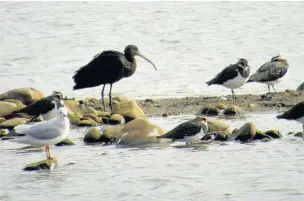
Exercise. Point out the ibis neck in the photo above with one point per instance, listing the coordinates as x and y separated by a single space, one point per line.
130 69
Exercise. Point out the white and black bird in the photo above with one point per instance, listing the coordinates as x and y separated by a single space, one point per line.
233 76
189 131
271 72
295 113
46 107
44 133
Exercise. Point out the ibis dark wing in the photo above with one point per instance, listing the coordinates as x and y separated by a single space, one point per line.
106 67
39 107
297 111
226 74
188 128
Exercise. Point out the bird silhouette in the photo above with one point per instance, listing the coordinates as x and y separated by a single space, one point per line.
271 72
233 76
108 67
295 113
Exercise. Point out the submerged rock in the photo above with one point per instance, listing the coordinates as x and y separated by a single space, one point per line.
220 106
11 123
47 164
116 119
3 132
25 95
217 125
233 110
94 135
7 108
140 131
274 133
245 133
299 134
87 123
129 109
66 142
74 120
210 111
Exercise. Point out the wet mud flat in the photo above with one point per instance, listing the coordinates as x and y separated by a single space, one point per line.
274 102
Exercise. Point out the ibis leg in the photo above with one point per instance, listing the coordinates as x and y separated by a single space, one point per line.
269 88
110 97
273 88
102 97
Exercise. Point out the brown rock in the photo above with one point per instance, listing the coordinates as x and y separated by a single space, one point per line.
129 109
245 133
233 110
11 123
25 95
116 119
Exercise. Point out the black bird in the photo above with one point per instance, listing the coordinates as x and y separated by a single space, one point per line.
233 76
271 72
46 107
190 131
108 67
295 113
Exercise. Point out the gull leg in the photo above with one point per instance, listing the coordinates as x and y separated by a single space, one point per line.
47 149
268 88
102 97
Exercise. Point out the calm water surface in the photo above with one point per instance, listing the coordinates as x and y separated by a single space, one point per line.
256 171
44 43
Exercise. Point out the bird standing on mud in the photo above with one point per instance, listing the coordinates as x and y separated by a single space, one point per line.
295 113
271 72
108 67
189 131
233 76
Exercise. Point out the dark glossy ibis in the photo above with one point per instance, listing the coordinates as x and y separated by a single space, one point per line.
108 67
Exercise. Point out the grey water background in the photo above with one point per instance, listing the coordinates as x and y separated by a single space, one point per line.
44 43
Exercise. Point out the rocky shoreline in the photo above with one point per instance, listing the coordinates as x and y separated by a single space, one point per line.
274 102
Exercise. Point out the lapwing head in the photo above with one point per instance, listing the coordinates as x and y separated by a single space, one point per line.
58 95
243 63
278 58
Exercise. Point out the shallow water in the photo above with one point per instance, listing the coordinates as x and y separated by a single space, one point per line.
44 43
255 171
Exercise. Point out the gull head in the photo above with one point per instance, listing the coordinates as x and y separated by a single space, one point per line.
62 111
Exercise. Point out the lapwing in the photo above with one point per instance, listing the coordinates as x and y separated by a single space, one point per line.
271 72
190 131
46 107
233 76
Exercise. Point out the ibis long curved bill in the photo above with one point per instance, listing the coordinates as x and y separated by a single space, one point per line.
142 56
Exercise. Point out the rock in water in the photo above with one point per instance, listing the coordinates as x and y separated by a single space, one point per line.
245 133
47 164
25 95
217 125
66 142
209 110
129 109
116 119
233 110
